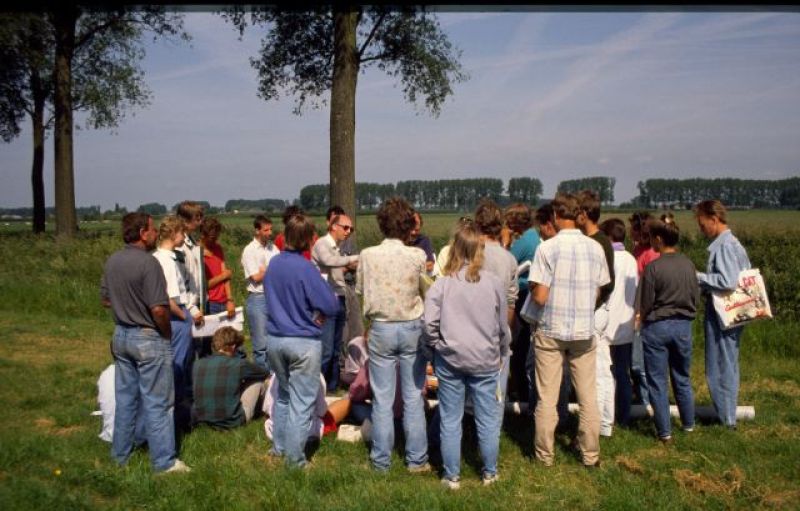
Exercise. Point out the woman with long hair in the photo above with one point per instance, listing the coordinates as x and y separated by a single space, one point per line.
466 322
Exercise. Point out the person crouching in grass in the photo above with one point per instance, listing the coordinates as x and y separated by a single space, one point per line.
227 389
668 294
466 322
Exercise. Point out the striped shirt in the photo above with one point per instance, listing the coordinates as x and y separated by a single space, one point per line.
573 267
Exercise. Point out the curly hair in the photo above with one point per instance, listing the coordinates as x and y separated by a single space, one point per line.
488 218
396 218
518 217
170 226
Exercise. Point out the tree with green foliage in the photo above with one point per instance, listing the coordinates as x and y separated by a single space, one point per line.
310 53
152 208
527 190
600 184
26 62
108 78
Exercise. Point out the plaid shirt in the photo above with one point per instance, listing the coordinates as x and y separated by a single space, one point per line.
218 384
573 267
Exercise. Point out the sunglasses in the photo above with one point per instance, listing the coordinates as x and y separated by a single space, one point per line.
347 228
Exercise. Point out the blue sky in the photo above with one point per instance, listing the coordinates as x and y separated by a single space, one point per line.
554 95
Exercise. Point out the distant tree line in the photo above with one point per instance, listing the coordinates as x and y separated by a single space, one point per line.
257 205
446 194
602 185
736 193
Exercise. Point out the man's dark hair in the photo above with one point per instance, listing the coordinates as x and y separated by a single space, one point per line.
614 228
189 210
299 232
489 218
396 218
334 210
260 221
291 211
132 224
638 219
566 206
545 214
590 204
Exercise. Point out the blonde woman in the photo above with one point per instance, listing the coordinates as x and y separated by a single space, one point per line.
466 322
171 236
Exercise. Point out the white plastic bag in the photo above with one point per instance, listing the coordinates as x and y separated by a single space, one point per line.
748 302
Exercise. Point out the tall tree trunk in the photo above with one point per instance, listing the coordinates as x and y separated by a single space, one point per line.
37 170
343 110
64 19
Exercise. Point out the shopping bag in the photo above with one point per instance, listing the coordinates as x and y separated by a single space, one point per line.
747 303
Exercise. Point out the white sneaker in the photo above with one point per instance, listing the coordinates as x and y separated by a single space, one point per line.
451 484
178 466
488 479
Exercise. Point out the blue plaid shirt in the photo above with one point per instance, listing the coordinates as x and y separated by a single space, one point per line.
573 267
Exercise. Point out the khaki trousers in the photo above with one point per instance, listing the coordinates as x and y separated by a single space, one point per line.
550 356
250 397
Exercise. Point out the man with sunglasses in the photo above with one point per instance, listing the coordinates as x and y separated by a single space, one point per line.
327 255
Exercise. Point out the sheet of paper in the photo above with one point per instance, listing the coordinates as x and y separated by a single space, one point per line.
213 322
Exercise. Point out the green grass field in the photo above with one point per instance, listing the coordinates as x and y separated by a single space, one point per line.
55 342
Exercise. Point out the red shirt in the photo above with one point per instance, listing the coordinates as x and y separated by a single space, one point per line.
213 258
644 256
279 242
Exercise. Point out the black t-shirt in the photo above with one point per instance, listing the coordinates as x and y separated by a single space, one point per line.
608 249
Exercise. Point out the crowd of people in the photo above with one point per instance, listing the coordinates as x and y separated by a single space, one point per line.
522 305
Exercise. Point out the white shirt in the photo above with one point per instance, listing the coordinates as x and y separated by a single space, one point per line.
193 276
621 302
176 288
254 256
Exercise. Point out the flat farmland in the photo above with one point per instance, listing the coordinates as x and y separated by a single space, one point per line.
54 342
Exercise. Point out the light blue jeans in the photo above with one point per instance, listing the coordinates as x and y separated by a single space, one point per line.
295 361
143 377
257 321
667 347
393 346
453 386
722 365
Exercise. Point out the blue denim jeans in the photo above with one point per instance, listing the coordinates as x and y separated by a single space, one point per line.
393 346
295 361
667 347
143 377
638 373
332 346
453 386
623 393
257 321
182 362
722 366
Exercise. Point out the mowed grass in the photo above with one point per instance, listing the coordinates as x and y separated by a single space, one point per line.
55 342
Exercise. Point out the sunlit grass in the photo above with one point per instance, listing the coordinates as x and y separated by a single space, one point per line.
55 342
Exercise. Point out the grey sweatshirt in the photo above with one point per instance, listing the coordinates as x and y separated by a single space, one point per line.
668 288
467 322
